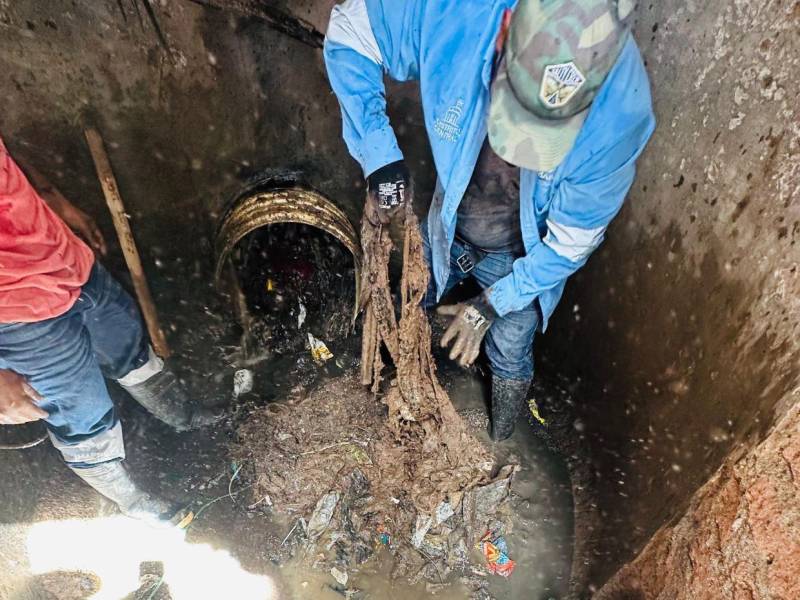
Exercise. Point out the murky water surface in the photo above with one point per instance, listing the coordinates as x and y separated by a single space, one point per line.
58 540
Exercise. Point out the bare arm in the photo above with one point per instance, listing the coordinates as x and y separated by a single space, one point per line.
69 213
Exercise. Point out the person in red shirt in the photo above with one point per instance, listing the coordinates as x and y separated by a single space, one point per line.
65 326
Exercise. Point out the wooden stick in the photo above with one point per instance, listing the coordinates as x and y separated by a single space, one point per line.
117 208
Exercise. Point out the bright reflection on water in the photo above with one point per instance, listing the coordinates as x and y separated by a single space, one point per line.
113 548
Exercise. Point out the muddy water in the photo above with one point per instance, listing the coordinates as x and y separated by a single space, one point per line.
540 540
195 468
39 497
310 585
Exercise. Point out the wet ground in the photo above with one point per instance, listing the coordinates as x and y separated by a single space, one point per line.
42 543
60 540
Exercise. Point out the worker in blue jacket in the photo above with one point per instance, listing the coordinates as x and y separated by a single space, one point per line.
536 112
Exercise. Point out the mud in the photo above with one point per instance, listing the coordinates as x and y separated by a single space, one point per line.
364 464
739 537
421 416
194 469
683 321
240 96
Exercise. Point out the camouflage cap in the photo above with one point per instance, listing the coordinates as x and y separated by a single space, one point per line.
557 56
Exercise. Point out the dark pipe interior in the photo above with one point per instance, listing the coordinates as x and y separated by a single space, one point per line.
287 270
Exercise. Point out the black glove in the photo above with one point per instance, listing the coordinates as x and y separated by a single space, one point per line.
387 191
472 319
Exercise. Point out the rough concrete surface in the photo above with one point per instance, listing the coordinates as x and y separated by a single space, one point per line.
197 109
739 539
684 327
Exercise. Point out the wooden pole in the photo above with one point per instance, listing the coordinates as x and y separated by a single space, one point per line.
117 208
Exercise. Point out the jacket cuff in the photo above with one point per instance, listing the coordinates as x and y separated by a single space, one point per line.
379 148
501 296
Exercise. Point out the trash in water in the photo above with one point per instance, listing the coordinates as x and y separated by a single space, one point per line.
418 451
359 455
341 577
383 536
424 523
319 351
301 315
242 382
443 512
532 406
309 436
496 552
321 517
185 521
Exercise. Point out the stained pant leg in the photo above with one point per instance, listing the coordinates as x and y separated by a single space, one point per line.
57 359
455 277
114 324
509 341
509 344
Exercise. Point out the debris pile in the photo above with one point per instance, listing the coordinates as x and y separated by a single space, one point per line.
364 464
442 458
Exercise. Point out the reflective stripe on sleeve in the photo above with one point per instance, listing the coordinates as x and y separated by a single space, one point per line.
573 243
349 26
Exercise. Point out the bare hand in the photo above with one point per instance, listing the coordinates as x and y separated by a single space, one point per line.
18 400
86 228
69 213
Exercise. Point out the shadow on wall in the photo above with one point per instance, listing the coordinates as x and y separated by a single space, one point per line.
675 380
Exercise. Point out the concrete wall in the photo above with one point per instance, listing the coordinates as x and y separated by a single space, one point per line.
187 113
738 539
190 104
686 324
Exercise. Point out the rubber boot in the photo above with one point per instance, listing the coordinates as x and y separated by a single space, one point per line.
111 479
508 398
165 398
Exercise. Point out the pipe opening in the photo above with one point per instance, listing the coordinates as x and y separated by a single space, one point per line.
294 278
292 260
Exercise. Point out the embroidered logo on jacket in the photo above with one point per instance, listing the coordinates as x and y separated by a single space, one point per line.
560 83
448 127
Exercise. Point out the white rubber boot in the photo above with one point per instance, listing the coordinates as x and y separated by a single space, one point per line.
156 387
111 479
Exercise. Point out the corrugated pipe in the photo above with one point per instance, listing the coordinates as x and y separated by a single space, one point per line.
281 199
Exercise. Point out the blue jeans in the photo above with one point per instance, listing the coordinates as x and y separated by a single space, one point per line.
65 359
509 342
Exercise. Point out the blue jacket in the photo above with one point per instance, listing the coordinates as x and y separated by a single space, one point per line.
448 45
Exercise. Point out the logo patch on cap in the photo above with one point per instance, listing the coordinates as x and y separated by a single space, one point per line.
560 83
